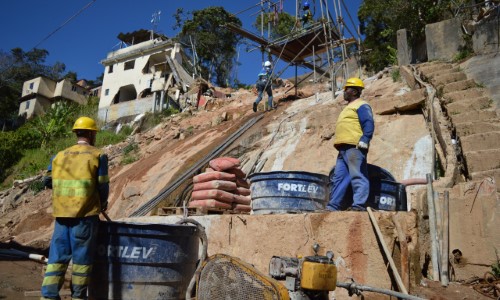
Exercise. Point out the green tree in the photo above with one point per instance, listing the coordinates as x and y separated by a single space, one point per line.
281 25
380 20
215 45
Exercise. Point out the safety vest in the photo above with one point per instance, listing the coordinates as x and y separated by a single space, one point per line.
74 181
348 129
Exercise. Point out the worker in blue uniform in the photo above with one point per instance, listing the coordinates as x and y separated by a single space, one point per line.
353 133
264 84
79 180
307 16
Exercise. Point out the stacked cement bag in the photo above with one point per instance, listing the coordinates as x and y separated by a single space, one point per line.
222 186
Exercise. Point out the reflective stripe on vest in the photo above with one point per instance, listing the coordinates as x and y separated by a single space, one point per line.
348 129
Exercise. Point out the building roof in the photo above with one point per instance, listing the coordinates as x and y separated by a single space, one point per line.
139 36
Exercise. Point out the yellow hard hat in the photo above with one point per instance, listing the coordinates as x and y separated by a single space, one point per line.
354 82
85 123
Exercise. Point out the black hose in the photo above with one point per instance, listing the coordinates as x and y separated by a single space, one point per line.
356 289
204 241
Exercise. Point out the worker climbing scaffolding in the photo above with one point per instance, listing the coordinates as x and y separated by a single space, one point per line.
264 83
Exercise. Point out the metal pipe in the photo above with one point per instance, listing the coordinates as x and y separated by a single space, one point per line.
355 289
445 249
432 225
387 253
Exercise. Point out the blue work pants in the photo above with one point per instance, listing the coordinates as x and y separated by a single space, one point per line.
261 86
73 238
351 169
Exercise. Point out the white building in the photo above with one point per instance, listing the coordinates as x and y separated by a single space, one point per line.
40 93
142 77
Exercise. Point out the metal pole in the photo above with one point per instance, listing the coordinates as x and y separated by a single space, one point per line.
432 225
399 281
296 80
445 249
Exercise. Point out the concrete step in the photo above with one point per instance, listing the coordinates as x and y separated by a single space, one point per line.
495 174
467 128
459 86
483 160
448 78
481 141
475 115
433 67
468 105
441 72
406 102
465 94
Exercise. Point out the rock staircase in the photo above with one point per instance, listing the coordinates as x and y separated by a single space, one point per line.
473 118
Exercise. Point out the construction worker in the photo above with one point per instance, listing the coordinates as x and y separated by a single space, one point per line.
353 133
264 84
78 176
306 16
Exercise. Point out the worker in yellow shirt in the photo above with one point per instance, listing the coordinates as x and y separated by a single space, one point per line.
79 180
353 133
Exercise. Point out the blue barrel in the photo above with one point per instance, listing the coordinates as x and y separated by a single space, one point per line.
288 192
143 261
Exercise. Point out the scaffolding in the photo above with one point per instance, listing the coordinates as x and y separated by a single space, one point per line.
321 46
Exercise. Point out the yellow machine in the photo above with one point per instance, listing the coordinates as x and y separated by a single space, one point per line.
311 277
226 277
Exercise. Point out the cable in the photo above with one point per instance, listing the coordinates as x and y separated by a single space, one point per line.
350 17
64 24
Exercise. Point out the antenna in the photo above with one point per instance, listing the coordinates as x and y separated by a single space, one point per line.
155 19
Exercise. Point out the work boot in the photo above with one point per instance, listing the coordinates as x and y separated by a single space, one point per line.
357 208
254 107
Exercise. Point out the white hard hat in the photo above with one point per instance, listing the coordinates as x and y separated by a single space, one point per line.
267 64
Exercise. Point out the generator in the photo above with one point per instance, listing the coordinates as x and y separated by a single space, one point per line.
307 278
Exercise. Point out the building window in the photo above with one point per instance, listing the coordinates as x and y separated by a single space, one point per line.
110 69
73 88
32 85
27 105
129 64
106 92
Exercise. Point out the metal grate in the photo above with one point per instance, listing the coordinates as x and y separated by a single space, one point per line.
225 277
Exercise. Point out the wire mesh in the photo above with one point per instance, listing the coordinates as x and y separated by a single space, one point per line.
224 278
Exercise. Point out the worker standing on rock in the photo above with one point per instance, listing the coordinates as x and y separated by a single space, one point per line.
264 84
353 133
79 178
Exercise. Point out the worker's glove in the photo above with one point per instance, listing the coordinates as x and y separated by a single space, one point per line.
104 206
362 145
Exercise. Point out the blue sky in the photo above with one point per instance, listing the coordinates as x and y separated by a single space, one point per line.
82 43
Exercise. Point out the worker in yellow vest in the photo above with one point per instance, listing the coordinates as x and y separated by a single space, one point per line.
79 180
353 133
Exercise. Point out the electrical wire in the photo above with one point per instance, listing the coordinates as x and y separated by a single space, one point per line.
65 23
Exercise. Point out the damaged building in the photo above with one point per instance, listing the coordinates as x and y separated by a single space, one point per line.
144 75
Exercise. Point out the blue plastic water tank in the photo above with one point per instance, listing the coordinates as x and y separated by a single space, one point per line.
143 261
288 192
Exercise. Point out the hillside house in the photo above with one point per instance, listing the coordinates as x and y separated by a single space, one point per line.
144 76
40 93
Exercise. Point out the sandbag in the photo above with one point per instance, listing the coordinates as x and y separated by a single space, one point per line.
213 194
242 208
215 185
243 191
209 203
236 171
204 177
239 199
224 163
